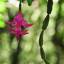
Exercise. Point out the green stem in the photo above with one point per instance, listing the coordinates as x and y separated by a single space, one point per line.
20 5
15 59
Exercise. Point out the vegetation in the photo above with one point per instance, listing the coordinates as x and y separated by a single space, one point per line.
44 44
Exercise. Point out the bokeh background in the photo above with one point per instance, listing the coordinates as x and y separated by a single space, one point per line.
53 36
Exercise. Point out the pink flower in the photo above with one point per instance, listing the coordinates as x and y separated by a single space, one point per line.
17 25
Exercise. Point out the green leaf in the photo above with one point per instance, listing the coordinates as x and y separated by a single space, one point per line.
2 7
2 24
3 0
29 2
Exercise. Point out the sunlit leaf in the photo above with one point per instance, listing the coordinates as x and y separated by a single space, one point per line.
2 7
3 0
2 24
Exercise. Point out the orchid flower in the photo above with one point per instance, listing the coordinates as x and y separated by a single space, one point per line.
17 25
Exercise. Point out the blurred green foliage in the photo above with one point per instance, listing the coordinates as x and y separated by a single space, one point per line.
2 23
53 36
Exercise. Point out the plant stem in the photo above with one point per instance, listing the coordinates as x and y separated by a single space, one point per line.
16 53
20 5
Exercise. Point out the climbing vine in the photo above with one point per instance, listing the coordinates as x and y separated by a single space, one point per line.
44 27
